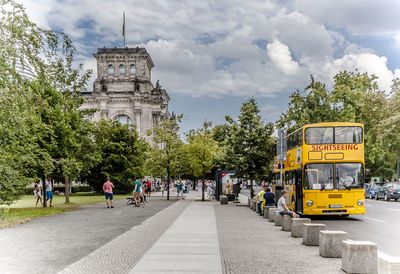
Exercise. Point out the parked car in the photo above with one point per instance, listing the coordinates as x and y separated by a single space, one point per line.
388 191
371 190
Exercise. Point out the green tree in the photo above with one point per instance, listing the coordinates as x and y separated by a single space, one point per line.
313 105
388 130
202 150
249 145
165 156
121 155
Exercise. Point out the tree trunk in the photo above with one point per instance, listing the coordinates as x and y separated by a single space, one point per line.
168 179
67 189
202 187
44 191
251 189
194 184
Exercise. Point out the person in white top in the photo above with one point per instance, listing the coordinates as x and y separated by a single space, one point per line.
282 207
37 191
49 191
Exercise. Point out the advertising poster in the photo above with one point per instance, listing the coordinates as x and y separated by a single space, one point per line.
228 182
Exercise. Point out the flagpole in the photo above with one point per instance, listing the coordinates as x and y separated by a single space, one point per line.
123 30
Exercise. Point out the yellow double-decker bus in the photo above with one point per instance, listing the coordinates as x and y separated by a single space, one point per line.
324 171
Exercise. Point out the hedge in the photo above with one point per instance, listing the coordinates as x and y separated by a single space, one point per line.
61 188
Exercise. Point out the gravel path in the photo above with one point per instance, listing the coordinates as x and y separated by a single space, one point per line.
49 244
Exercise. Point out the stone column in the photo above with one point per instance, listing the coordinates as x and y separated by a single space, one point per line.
138 114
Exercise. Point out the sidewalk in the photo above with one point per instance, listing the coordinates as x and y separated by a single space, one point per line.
252 244
205 237
190 245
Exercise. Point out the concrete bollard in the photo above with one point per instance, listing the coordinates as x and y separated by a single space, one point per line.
271 215
311 233
266 211
359 257
251 203
286 222
254 205
223 199
296 226
330 243
388 264
278 218
248 202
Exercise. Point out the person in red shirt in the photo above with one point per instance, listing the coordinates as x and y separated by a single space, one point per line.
148 188
108 192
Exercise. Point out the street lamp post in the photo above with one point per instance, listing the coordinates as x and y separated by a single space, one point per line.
398 170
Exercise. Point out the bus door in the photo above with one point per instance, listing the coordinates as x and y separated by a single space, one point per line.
299 190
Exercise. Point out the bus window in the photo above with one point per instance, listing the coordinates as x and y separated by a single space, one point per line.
349 175
319 135
348 135
300 137
318 176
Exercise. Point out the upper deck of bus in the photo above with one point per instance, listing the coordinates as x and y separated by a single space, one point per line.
325 142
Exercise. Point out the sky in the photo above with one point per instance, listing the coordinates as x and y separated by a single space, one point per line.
211 56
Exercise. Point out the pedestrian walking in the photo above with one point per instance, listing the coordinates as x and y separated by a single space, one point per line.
209 188
49 191
136 193
143 196
148 188
108 192
179 189
37 192
162 189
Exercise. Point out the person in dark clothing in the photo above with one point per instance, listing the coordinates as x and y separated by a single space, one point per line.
269 198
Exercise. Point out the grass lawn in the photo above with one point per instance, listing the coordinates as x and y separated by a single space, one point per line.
24 209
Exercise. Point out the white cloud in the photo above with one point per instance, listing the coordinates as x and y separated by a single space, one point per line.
281 57
230 48
362 62
358 17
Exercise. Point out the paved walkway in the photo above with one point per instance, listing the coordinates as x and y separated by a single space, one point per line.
252 244
190 245
188 236
49 244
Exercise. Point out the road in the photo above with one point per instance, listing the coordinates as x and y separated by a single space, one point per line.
380 224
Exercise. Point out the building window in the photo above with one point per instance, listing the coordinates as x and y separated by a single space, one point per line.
124 119
110 69
133 70
121 69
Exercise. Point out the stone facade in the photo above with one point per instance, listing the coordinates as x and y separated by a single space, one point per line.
123 90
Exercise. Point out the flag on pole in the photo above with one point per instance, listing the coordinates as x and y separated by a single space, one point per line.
123 28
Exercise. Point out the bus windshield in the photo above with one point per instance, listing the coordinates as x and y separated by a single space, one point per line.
349 175
319 176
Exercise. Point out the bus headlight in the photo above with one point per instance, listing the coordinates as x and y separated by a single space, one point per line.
360 202
310 203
